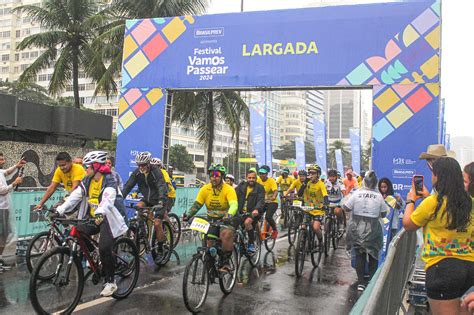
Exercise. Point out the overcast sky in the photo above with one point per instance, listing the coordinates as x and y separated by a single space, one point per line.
457 59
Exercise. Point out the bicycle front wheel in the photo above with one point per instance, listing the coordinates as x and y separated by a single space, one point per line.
335 234
61 292
255 258
327 235
300 252
127 267
38 245
195 283
161 257
316 251
176 227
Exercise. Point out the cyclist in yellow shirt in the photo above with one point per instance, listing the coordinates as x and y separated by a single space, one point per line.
67 173
221 202
314 194
271 193
297 183
166 177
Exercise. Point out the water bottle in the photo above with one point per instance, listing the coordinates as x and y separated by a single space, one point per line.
213 251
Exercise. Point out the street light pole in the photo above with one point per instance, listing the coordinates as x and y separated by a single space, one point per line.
241 5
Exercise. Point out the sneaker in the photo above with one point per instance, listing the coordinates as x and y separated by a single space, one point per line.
360 287
251 249
109 289
274 234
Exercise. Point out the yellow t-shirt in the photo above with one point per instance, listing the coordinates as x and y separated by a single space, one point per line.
284 183
270 186
77 172
441 243
295 185
94 191
314 196
216 201
249 190
171 190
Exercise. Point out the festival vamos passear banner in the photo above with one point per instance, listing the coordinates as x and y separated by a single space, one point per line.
392 47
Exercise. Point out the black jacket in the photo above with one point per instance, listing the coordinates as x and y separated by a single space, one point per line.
256 199
153 187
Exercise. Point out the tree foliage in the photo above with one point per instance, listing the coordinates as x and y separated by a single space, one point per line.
181 159
288 151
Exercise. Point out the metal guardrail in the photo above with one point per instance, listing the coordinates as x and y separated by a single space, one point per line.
385 293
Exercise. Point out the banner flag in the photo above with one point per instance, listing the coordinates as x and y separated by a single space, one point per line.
257 131
320 143
355 149
339 163
268 143
300 153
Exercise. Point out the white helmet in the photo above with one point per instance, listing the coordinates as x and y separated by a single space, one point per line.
156 161
143 157
95 157
230 176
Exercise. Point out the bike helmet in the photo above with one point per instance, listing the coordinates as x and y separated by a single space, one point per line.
295 173
219 168
156 161
264 169
286 170
332 173
95 157
314 167
143 158
302 173
230 176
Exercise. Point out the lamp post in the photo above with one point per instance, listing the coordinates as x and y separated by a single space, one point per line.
241 5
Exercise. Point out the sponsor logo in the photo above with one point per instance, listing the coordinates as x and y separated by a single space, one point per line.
208 32
402 173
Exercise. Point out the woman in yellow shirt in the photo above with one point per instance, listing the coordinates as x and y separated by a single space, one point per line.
447 218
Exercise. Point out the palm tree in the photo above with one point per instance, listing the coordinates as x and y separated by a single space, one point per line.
337 145
109 44
29 92
202 109
69 29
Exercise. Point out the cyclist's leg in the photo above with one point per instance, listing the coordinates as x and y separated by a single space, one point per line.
271 209
159 215
106 244
317 227
248 223
226 234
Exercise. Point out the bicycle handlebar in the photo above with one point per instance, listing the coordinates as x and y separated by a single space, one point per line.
74 221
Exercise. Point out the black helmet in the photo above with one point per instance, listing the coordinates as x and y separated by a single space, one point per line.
302 173
332 173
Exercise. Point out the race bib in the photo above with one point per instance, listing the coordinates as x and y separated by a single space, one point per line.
200 225
297 203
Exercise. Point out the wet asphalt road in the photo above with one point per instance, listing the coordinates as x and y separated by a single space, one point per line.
271 288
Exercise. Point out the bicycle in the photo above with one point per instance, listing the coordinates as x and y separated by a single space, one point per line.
61 268
295 219
307 243
43 241
242 239
285 205
175 224
331 229
203 268
142 231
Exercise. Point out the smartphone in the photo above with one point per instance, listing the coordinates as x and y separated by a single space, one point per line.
418 180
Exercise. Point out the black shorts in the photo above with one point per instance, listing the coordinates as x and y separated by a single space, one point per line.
449 279
157 213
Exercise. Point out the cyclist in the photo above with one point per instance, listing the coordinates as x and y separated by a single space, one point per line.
251 199
284 182
221 202
67 173
315 194
295 175
171 189
296 185
170 173
336 191
271 193
152 186
96 197
230 180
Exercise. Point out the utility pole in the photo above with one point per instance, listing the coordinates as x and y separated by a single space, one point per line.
241 5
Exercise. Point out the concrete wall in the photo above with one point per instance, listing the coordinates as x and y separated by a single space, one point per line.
40 157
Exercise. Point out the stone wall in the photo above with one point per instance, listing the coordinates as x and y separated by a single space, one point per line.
40 157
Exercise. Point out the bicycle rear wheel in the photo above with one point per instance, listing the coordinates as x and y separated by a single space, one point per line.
127 267
335 234
38 245
300 252
176 227
255 258
61 292
327 235
227 280
316 251
195 283
162 258
292 229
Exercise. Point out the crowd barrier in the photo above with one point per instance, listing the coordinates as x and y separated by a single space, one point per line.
384 294
29 222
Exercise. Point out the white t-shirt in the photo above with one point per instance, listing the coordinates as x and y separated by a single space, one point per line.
366 203
335 191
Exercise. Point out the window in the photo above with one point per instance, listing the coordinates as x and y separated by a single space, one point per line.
18 33
4 69
5 34
5 57
23 67
25 55
199 158
34 54
6 46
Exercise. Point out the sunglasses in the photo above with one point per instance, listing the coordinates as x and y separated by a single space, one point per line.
215 174
312 173
142 165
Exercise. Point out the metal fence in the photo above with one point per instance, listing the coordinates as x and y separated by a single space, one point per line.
384 295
